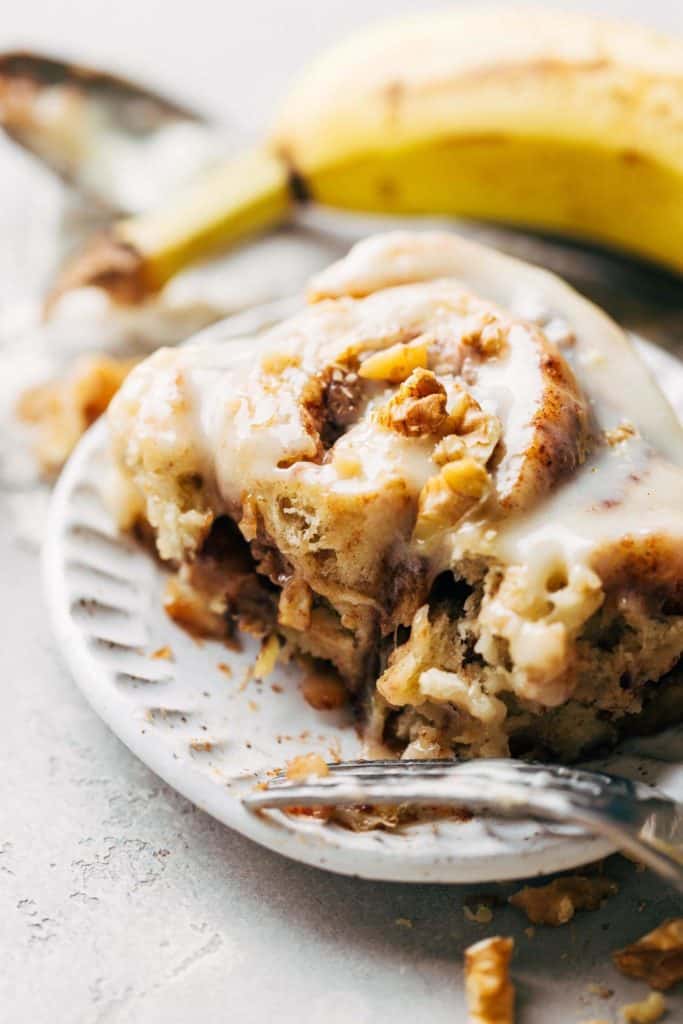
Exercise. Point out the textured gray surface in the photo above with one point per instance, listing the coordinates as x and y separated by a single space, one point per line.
120 901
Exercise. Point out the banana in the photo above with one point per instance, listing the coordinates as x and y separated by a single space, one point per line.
545 119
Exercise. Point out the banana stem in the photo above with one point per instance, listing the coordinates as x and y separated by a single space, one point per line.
137 256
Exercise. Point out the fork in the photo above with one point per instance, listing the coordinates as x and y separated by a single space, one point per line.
638 819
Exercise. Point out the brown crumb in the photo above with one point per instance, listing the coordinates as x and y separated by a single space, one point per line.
556 903
224 668
164 653
530 932
489 991
305 765
201 745
593 1020
403 922
323 690
648 1011
657 957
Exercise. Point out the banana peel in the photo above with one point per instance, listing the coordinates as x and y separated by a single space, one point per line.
545 119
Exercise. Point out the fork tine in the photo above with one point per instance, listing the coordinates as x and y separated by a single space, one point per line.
376 769
449 790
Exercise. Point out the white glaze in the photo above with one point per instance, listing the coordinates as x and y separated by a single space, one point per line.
244 429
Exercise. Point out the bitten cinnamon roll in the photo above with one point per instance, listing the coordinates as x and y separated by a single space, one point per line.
449 477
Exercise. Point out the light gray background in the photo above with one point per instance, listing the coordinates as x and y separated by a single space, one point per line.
121 902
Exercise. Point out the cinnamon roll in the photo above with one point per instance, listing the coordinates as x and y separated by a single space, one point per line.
450 477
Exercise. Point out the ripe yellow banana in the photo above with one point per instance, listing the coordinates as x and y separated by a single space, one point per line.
542 118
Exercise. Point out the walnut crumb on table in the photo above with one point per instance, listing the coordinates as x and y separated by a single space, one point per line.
556 903
489 991
648 1011
657 957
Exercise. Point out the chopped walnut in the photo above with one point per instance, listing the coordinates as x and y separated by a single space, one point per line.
267 657
396 363
472 429
489 991
487 335
557 902
657 957
418 408
450 495
63 409
305 765
648 1011
448 449
294 606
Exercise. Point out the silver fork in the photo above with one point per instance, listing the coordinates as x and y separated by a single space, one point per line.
637 818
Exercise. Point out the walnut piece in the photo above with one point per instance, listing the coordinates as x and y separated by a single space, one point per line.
487 336
657 957
648 1011
450 495
490 993
557 902
267 657
396 363
473 430
294 605
418 408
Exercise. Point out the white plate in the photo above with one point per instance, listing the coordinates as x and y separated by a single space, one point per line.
205 731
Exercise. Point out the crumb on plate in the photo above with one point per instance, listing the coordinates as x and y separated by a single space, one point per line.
163 653
305 765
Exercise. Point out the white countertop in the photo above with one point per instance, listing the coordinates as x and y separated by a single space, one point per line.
123 903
